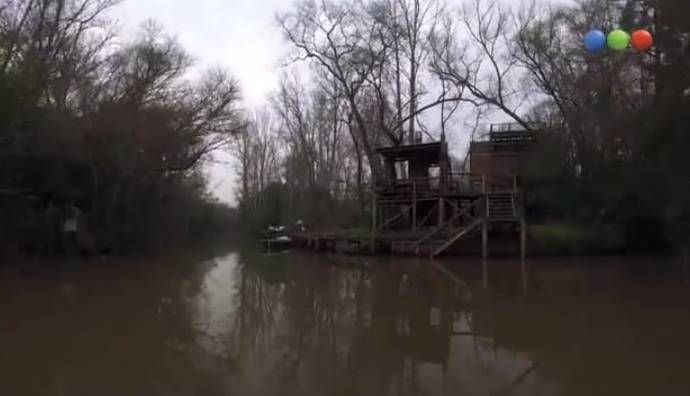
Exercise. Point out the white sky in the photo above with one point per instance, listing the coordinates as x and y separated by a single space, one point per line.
238 35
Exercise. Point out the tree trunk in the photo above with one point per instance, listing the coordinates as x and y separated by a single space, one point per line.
364 134
413 105
360 171
398 84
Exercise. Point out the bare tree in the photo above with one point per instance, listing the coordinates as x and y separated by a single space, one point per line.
418 18
577 86
53 44
345 41
257 154
483 67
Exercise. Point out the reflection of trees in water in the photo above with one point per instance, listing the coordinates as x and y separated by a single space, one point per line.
377 328
596 326
318 329
116 327
299 324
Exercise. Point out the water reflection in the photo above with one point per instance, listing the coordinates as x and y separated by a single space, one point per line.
301 324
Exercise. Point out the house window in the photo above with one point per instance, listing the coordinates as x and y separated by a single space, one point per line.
402 170
434 177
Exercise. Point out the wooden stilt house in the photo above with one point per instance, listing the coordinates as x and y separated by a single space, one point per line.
425 206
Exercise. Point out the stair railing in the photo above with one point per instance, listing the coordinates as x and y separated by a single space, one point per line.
446 224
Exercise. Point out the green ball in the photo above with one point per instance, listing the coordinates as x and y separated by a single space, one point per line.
618 40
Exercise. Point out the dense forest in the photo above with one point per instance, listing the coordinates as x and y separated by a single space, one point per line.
118 131
110 128
613 127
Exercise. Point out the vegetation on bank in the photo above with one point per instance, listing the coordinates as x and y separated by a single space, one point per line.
613 129
106 132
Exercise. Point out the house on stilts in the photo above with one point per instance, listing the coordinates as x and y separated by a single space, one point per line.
423 206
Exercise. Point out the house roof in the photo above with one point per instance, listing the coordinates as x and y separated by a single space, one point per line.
429 151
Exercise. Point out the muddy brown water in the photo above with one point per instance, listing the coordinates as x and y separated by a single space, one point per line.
302 324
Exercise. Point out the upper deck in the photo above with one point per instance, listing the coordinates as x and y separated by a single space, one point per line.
505 137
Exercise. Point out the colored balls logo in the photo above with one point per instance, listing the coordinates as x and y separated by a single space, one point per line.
618 40
596 41
642 40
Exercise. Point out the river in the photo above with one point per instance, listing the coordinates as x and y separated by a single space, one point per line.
244 323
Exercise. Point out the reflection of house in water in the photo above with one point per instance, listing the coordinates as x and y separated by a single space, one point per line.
437 338
425 329
422 310
399 329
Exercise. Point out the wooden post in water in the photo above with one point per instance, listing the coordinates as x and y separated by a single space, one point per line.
523 237
441 211
523 271
414 206
485 225
686 267
523 221
485 240
374 222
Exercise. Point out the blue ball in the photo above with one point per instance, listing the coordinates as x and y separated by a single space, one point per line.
595 41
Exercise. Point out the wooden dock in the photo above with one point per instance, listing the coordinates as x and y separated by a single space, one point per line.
503 242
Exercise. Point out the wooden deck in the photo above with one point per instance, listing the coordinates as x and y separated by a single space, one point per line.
473 217
398 245
439 212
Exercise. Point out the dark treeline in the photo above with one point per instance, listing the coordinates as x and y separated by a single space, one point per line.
104 131
114 130
613 128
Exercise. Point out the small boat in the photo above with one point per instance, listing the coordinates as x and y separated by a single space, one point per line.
275 238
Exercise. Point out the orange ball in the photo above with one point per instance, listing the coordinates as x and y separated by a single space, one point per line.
642 40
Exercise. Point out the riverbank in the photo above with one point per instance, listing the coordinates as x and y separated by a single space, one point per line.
206 248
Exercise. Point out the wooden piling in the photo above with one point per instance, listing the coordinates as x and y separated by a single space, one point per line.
414 206
523 272
441 211
485 239
523 238
485 225
686 266
374 222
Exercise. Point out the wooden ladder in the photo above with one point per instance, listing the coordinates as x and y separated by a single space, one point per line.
501 206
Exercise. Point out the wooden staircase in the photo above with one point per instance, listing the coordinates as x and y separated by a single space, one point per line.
490 207
468 229
501 206
444 236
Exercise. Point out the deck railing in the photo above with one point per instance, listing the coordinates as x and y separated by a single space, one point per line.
507 127
508 133
452 182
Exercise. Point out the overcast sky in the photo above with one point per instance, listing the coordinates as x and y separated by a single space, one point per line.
239 35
